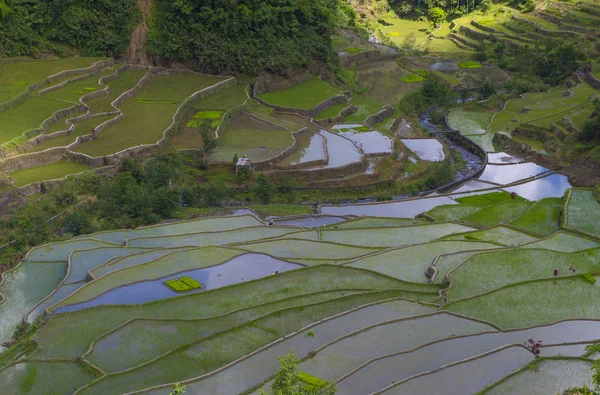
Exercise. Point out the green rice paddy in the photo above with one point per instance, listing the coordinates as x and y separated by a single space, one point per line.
470 65
49 172
367 286
365 106
304 96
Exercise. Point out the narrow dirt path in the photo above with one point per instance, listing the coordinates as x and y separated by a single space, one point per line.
136 54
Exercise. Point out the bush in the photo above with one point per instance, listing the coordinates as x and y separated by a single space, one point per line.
263 189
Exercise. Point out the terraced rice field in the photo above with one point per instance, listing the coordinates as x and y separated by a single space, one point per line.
362 296
48 172
305 95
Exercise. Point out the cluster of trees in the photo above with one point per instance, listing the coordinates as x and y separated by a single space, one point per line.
444 8
248 36
591 128
95 28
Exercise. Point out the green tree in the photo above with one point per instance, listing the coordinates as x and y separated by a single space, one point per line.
289 382
263 189
436 15
235 159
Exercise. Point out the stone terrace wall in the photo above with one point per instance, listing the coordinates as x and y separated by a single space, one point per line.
43 158
379 117
592 80
348 60
96 66
310 113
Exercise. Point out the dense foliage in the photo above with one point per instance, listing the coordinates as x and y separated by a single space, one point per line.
246 35
95 28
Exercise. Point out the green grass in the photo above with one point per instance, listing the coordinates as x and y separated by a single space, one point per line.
500 213
535 303
516 266
542 218
332 111
453 212
375 222
312 380
498 235
81 129
565 242
124 82
208 115
352 50
400 28
49 172
365 106
487 199
469 122
224 99
245 135
411 78
174 88
15 76
303 96
29 115
470 65
183 284
74 90
583 212
502 122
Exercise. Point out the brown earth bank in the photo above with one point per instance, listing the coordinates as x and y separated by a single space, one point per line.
136 54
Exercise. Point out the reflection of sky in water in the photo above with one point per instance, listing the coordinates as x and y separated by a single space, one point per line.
371 142
510 173
402 209
240 269
502 157
426 149
341 151
554 185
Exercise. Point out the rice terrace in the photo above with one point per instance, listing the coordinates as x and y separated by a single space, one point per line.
331 196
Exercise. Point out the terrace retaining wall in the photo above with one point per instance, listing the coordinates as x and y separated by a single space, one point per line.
310 113
43 158
544 32
346 112
94 68
348 60
313 176
379 117
591 79
319 162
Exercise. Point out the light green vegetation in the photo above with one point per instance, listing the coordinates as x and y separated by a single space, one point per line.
55 170
471 64
74 90
307 249
15 76
542 218
376 222
145 122
29 115
208 115
548 376
135 334
499 213
304 96
488 199
502 122
410 263
516 266
34 378
183 284
332 111
129 261
92 323
392 237
543 23
169 264
583 212
411 78
498 235
247 135
452 80
484 141
224 99
451 212
81 129
382 78
555 300
223 348
352 50
565 242
533 143
469 122
400 28
365 106
124 82
211 238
